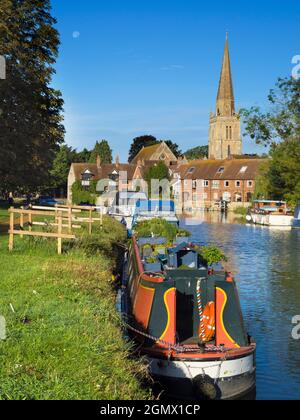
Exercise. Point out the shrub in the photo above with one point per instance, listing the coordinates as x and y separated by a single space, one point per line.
159 227
80 195
211 255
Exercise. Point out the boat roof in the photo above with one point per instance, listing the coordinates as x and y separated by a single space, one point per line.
269 201
163 205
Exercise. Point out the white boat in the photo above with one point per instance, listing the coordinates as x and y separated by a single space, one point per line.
296 221
152 209
270 213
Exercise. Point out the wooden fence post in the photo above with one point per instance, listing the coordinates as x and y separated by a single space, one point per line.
11 231
30 221
90 222
59 231
70 219
22 222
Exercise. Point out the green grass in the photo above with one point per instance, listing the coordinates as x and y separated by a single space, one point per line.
63 334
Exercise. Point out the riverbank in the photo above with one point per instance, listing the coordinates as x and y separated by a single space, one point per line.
64 339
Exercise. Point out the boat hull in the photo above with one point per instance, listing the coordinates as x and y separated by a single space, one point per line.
272 220
206 380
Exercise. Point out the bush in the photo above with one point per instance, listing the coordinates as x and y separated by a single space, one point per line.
159 227
211 255
80 195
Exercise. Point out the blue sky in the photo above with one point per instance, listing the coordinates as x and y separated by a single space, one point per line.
133 67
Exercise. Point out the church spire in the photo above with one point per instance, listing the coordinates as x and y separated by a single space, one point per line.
225 100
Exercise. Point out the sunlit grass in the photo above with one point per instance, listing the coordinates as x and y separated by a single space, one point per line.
63 332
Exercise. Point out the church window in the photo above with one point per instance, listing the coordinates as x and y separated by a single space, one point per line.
163 157
229 151
230 133
227 132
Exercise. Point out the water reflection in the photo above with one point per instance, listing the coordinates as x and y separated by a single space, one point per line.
266 264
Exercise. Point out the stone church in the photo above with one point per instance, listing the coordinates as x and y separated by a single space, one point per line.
225 138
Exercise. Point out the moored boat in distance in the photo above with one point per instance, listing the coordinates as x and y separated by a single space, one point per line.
296 222
270 213
187 321
153 209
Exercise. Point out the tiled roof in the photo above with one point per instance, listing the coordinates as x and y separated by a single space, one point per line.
240 169
104 171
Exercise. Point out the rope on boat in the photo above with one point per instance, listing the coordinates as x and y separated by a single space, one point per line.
200 309
177 348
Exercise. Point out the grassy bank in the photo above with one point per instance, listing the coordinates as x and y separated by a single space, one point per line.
63 334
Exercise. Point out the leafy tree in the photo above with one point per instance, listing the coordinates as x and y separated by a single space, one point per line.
61 166
31 127
103 150
83 157
279 128
146 141
157 172
282 121
199 152
140 142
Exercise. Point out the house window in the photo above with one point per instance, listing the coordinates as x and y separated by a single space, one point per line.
205 183
216 184
250 184
221 170
86 178
195 184
226 184
238 184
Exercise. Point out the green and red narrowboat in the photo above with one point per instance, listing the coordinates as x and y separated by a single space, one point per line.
188 321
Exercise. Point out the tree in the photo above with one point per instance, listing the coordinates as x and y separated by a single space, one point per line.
31 127
146 141
157 172
103 150
279 128
199 152
83 157
282 121
140 142
61 166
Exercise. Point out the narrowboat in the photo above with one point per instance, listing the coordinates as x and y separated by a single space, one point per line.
187 321
270 213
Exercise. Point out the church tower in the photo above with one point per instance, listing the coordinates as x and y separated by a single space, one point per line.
225 126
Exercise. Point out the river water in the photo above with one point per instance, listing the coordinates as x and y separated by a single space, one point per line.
266 265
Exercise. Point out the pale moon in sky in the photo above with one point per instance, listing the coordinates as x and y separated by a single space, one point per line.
76 34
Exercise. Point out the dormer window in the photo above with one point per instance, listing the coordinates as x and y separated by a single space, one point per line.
221 170
86 178
244 169
191 171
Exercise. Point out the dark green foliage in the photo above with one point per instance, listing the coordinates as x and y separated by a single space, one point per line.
103 150
159 227
199 152
282 122
146 141
81 195
158 172
83 157
61 166
31 110
280 128
211 255
138 143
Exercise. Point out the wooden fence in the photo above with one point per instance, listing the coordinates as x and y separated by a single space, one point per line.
64 218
